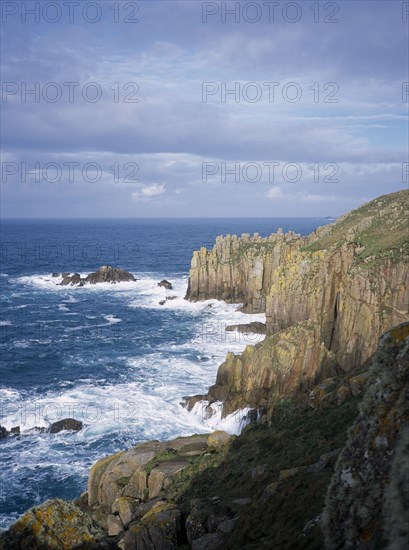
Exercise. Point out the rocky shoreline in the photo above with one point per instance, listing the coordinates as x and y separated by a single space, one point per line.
323 462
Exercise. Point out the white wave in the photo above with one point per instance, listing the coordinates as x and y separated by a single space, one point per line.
47 282
70 300
5 323
63 307
211 416
22 343
8 393
104 410
112 319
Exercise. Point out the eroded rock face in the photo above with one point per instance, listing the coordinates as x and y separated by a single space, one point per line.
370 467
144 471
353 302
239 269
278 366
105 274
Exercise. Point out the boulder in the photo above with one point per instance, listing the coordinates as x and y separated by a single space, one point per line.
95 476
219 438
343 393
165 284
54 524
114 525
124 475
207 515
161 476
126 508
3 432
270 491
357 383
159 529
65 424
55 275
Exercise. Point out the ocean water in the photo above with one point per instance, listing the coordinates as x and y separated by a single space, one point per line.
108 355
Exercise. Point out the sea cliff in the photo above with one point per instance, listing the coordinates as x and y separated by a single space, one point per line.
324 462
327 298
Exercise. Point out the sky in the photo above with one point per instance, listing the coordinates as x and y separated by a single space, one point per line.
202 109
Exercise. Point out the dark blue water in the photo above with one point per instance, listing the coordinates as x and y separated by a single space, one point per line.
108 355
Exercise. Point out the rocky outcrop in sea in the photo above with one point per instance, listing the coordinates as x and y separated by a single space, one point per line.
105 274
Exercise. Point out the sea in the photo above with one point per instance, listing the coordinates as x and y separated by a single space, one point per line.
108 355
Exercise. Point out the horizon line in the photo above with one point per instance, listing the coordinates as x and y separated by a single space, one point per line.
7 218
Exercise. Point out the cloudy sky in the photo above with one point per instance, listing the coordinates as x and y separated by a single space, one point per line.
187 108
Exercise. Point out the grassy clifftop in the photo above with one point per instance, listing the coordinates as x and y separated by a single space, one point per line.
379 227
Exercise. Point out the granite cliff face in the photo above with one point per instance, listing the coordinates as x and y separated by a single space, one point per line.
291 360
327 298
239 270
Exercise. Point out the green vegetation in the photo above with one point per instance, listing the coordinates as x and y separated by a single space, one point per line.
294 436
380 227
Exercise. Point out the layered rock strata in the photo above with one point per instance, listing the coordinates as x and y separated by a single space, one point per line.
327 297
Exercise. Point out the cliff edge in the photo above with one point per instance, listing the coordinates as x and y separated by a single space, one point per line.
327 298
